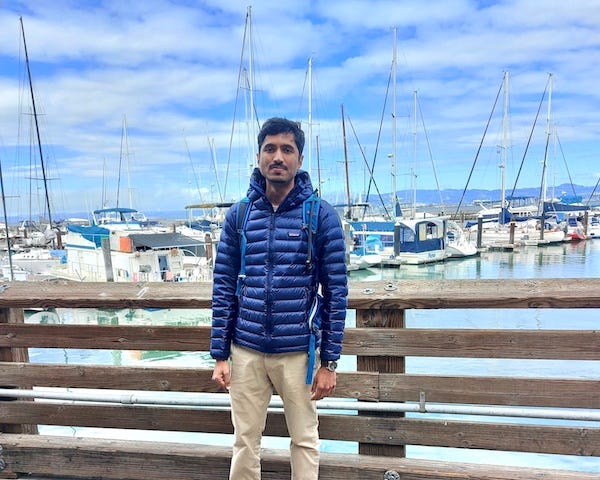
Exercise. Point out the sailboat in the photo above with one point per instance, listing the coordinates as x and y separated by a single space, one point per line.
530 227
39 248
413 239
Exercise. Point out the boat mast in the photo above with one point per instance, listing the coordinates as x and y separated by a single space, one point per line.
7 230
504 150
394 166
548 135
414 167
309 143
37 128
349 205
251 128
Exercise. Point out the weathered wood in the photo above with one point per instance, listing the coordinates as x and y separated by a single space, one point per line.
14 316
376 342
381 350
367 428
385 363
404 294
526 391
86 458
361 385
472 343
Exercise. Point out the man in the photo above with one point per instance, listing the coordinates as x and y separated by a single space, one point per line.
262 304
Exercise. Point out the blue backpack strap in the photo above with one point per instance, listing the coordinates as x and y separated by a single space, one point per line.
310 211
243 212
310 220
314 324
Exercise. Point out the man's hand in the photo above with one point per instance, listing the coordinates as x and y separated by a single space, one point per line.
221 374
323 384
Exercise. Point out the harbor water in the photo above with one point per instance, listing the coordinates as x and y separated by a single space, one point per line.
567 260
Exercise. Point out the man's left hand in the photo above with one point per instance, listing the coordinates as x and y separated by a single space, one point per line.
323 384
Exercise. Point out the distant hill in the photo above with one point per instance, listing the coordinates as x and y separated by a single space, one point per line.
453 196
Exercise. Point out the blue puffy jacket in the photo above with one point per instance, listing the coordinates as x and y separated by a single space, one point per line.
271 313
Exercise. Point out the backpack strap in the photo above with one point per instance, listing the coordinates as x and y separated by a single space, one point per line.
314 324
310 214
242 214
310 221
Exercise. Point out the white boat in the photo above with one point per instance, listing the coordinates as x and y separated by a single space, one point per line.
405 241
457 243
118 246
593 227
36 262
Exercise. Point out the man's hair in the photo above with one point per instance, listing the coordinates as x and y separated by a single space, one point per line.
277 125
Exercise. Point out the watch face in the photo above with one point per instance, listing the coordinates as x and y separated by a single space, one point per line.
331 366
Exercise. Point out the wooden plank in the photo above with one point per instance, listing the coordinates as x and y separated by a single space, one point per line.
361 385
365 428
476 293
471 343
405 294
388 342
86 458
109 337
526 391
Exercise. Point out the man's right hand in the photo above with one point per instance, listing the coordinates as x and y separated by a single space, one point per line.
221 374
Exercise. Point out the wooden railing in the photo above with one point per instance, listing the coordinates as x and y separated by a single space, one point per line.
380 341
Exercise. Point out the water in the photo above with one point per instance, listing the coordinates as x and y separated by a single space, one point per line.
557 261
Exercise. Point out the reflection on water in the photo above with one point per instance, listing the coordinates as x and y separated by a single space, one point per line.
565 260
125 316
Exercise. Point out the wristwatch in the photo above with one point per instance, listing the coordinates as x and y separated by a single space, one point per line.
330 365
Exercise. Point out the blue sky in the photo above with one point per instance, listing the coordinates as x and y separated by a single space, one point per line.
169 71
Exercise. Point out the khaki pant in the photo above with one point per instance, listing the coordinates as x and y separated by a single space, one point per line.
253 377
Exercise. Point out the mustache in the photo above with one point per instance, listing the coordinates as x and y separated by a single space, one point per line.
278 165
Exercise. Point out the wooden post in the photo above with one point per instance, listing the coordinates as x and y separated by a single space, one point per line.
209 248
14 315
107 259
383 364
511 233
479 230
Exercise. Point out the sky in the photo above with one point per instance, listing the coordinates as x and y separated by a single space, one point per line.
154 105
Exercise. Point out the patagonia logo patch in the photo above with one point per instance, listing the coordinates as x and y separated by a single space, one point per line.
294 234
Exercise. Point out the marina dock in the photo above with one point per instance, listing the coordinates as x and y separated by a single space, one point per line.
378 406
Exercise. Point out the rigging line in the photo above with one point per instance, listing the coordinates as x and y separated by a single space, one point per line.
542 193
368 169
372 169
479 148
435 176
565 162
593 191
194 175
304 89
237 97
6 228
512 193
120 162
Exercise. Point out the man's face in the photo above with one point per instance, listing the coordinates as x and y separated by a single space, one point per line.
279 158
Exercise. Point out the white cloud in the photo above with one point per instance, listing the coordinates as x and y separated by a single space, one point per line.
171 67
